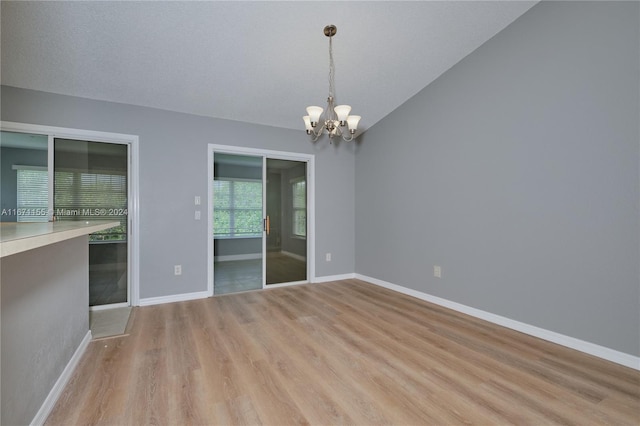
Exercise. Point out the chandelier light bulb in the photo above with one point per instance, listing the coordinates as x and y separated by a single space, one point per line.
352 122
314 114
307 124
342 111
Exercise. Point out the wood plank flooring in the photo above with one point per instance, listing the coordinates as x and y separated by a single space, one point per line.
345 352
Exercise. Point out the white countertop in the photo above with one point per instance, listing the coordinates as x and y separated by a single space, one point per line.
16 237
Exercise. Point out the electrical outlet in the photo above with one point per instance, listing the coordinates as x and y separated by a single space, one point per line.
437 271
327 257
197 215
177 270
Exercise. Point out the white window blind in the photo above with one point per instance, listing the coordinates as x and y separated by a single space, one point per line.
92 196
32 194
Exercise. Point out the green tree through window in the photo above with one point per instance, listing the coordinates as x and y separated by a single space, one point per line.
299 196
237 208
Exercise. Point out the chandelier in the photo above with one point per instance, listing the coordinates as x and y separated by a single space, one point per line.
337 117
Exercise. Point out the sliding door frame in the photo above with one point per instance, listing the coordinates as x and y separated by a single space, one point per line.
265 154
133 183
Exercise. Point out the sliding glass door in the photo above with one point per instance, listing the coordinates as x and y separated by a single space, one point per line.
91 183
286 216
259 221
237 223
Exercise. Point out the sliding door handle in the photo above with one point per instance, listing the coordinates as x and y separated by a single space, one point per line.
266 225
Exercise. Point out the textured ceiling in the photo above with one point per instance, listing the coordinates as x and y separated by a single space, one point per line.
259 62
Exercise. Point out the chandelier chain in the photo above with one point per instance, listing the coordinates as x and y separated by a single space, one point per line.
331 69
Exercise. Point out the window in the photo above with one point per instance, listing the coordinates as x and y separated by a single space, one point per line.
92 196
237 209
78 196
299 197
32 194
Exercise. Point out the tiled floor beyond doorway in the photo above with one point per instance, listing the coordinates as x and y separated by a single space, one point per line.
237 275
244 275
109 322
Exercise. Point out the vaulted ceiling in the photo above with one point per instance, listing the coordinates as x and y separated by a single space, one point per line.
260 62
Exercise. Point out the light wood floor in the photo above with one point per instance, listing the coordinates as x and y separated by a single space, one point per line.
345 352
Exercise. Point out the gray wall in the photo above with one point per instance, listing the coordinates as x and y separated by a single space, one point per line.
173 169
517 172
44 319
237 246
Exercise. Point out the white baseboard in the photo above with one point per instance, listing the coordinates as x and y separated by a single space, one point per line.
58 387
174 298
289 284
231 257
255 256
108 307
328 278
551 336
294 256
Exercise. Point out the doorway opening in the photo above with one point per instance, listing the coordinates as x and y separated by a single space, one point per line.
90 183
70 174
286 233
261 219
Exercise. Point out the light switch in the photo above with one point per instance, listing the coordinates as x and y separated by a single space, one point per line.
437 271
